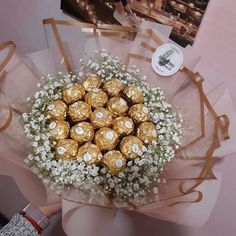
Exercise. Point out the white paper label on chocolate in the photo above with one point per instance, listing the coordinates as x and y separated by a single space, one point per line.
119 163
109 135
146 141
69 85
74 104
128 124
61 150
145 110
87 157
100 157
79 130
167 59
154 133
99 115
51 107
123 102
135 148
96 90
53 125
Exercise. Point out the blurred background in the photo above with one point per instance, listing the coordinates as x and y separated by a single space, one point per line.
184 16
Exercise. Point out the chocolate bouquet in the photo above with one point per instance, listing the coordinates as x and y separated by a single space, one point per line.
106 130
104 126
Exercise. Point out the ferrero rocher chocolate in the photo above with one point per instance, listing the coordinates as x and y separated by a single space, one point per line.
59 129
66 149
91 82
117 105
96 98
106 138
123 125
134 94
147 132
130 146
82 132
139 113
90 153
73 93
113 87
101 117
79 111
114 161
57 110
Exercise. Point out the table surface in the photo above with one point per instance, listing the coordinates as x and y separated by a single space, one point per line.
20 21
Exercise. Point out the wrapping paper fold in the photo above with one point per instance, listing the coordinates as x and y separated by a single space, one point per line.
192 185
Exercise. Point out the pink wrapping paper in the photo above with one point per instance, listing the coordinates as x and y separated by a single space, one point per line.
76 216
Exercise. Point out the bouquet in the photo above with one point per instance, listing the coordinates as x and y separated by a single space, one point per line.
107 130
105 127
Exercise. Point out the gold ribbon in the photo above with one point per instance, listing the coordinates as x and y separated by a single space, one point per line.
8 121
221 124
11 50
100 29
10 115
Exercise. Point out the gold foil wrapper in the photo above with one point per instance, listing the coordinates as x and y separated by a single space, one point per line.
90 153
57 110
131 146
123 125
113 87
106 138
82 132
101 117
73 92
114 162
79 111
139 113
147 132
66 149
91 82
96 98
59 129
117 106
134 94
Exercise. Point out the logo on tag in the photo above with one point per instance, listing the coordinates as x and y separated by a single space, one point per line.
167 59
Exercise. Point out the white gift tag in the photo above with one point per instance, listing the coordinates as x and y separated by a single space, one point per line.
167 59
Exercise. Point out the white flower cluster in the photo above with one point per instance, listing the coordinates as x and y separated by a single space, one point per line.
134 182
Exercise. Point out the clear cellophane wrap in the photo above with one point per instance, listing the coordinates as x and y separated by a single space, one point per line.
191 183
